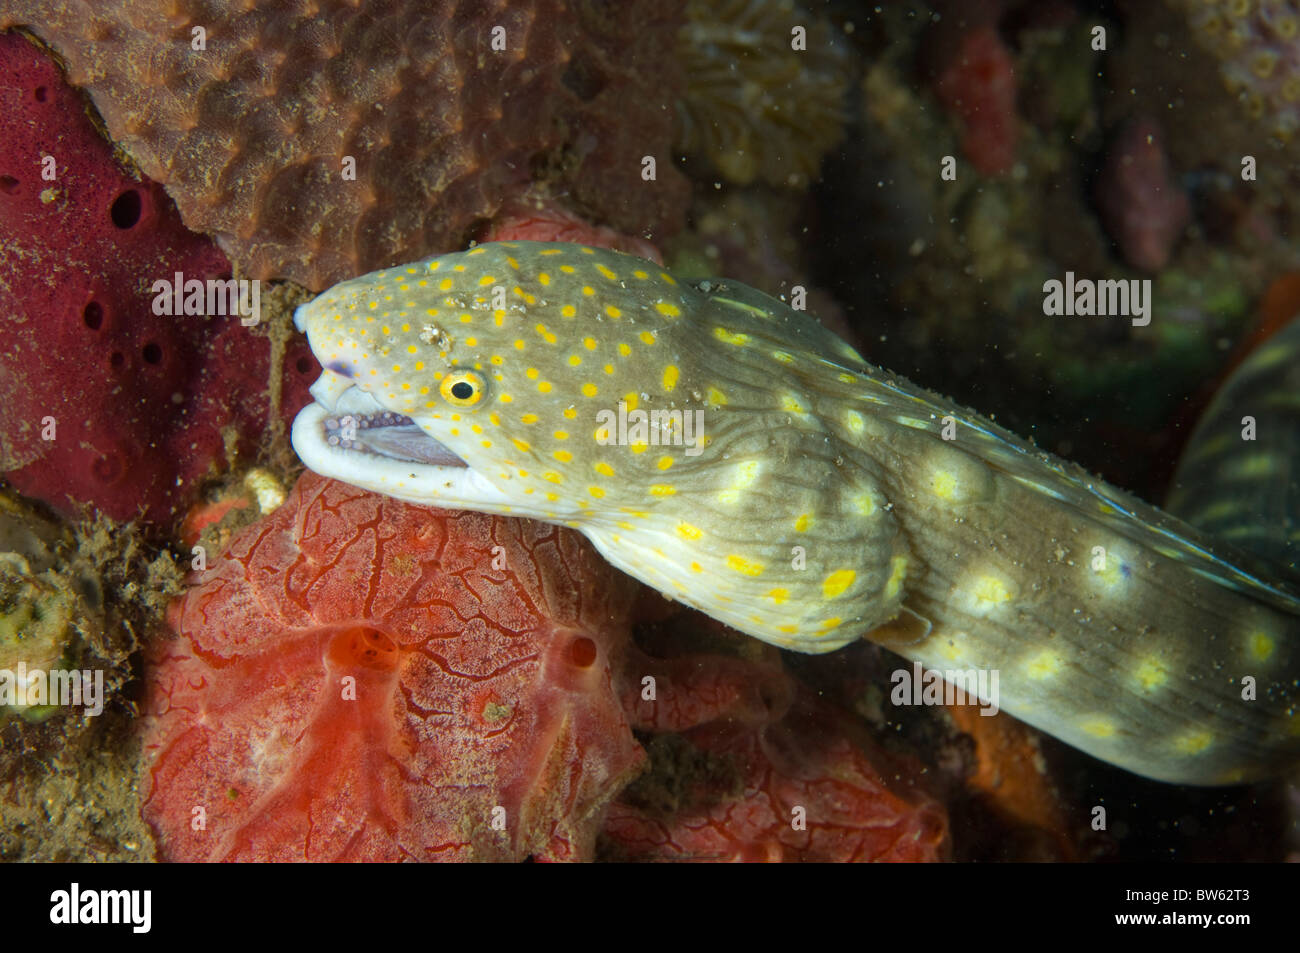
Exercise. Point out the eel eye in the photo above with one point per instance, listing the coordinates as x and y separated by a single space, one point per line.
462 389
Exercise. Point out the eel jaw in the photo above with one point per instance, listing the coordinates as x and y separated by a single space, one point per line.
347 435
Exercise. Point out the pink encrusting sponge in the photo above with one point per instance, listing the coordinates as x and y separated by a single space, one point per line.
364 679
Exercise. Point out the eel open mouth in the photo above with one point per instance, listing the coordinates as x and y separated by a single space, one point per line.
386 434
346 434
347 421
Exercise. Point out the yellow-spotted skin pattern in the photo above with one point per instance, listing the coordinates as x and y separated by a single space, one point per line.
730 452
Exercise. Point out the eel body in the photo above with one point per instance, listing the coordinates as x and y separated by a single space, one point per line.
732 453
1239 477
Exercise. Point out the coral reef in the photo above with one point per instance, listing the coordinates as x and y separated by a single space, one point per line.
1257 43
1142 206
754 108
946 278
36 625
72 599
805 172
75 799
413 675
539 220
798 788
47 616
978 88
480 653
251 133
1021 815
102 400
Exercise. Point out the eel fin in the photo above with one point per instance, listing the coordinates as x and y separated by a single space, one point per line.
906 628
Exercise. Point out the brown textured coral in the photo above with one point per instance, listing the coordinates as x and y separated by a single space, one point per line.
250 133
754 106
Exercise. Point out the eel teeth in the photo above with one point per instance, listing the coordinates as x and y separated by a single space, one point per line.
338 428
386 434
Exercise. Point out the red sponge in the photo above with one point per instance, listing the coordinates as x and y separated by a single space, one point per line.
101 400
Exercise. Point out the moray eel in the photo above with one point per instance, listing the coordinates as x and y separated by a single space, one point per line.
732 453
1248 491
